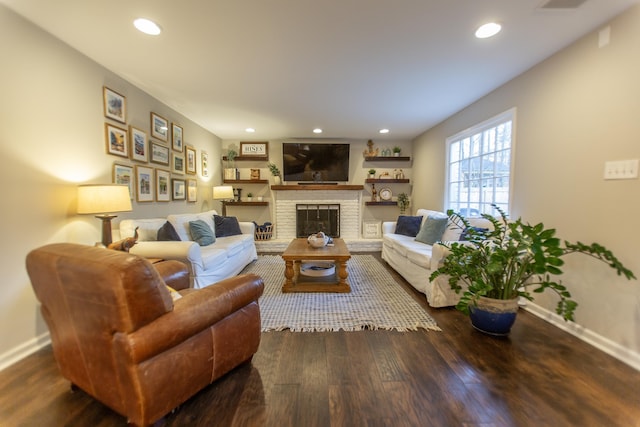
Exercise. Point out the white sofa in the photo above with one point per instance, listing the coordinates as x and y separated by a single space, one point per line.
415 261
226 257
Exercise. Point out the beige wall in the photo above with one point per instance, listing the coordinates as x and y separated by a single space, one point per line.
52 138
575 111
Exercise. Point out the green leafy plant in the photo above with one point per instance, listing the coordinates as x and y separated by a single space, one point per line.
515 259
397 149
403 202
273 169
249 194
372 171
231 154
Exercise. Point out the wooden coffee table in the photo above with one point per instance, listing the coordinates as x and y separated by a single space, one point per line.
299 250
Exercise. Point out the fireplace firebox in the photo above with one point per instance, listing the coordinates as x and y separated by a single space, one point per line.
313 218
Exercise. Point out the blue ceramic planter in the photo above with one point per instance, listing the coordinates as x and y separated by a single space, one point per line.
494 317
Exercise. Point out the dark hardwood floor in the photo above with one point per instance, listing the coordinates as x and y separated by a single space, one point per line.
539 376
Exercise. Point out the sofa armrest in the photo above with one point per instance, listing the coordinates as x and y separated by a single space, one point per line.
388 227
247 227
187 252
193 313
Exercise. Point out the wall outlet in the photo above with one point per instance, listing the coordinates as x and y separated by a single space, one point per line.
621 169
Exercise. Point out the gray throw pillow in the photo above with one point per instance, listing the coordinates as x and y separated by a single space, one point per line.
432 229
201 233
167 233
408 225
226 226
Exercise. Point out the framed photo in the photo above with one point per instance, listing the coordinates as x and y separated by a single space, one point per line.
163 185
144 184
178 189
159 127
190 159
116 139
177 163
139 145
204 157
177 137
115 105
192 190
123 174
159 154
257 149
371 229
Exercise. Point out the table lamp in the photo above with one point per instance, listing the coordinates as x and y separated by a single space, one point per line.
104 199
223 192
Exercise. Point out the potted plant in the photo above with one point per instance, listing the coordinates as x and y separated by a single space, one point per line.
513 260
275 172
403 202
372 173
231 155
249 197
396 151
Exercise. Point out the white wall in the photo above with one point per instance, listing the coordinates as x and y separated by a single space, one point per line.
575 111
52 139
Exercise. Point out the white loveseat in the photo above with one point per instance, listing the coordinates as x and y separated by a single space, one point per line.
415 261
226 257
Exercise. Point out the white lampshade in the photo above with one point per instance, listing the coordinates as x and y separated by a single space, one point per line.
106 198
223 192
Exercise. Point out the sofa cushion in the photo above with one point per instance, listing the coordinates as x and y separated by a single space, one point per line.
408 225
226 226
181 222
432 229
167 233
201 233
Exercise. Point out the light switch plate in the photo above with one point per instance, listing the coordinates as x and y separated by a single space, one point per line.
621 169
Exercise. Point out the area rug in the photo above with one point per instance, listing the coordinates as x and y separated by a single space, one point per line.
376 301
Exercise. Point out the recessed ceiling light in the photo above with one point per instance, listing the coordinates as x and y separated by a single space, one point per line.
147 26
384 131
250 130
317 130
488 30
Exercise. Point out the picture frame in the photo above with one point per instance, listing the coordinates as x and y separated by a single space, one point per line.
371 229
115 105
192 190
144 184
204 160
255 149
178 191
190 159
159 127
177 163
139 145
159 154
163 185
177 137
117 140
123 175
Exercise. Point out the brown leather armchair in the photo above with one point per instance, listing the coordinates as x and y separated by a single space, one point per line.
117 334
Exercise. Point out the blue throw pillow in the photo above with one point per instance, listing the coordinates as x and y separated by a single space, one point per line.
167 233
201 232
432 229
408 225
226 226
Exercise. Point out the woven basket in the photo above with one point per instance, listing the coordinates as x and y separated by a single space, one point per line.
265 234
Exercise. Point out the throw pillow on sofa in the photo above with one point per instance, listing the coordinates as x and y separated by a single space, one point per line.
167 233
226 226
432 229
408 225
201 233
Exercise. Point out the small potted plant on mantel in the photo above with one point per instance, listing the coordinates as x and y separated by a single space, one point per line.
249 197
372 173
275 172
396 151
499 266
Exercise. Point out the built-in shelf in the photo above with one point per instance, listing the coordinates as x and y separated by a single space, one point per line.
387 159
246 181
312 187
386 181
246 158
387 203
243 203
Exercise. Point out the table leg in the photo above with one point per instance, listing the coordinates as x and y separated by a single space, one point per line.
288 275
343 274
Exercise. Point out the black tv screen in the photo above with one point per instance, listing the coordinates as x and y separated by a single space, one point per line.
309 162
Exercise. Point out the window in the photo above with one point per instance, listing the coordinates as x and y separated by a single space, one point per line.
479 166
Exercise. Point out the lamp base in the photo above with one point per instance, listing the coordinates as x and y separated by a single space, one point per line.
106 228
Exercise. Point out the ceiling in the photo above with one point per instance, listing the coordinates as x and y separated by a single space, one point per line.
350 67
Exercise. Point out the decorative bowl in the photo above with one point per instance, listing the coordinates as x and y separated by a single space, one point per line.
318 240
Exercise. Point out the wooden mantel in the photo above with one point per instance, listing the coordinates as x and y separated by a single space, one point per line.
313 187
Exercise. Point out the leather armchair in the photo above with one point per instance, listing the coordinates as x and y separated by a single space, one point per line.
117 334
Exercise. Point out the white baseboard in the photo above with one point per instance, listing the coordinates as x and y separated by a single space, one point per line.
612 348
20 352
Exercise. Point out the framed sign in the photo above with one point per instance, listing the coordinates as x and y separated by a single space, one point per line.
254 149
371 229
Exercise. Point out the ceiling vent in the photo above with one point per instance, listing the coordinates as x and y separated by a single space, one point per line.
561 4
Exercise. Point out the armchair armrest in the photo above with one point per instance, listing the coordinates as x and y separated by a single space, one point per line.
388 227
195 312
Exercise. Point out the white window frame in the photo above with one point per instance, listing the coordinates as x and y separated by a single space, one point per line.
506 116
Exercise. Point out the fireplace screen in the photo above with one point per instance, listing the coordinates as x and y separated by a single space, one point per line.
311 219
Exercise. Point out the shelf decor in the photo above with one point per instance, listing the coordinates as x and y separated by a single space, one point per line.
254 149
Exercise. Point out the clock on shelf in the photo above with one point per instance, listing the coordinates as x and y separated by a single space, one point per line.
385 194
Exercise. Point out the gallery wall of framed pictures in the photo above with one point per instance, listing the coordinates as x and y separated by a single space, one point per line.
154 163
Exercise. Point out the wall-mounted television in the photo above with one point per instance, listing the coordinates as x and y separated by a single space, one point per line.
315 162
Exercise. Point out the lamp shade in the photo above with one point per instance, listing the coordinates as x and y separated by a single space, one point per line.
223 192
106 198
